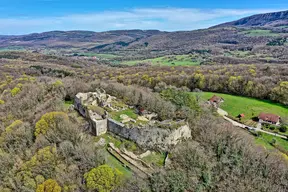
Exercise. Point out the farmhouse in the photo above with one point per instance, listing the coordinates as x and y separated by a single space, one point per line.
215 100
269 118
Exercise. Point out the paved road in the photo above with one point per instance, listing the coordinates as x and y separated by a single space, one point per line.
235 123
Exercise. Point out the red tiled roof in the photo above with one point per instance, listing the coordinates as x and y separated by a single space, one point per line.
269 117
215 99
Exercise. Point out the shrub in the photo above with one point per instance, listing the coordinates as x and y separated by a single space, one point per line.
180 98
103 178
283 128
11 127
273 142
169 181
39 179
2 102
15 91
49 185
49 121
57 83
43 162
18 137
271 127
19 85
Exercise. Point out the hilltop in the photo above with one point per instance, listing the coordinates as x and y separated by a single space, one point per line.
154 42
275 19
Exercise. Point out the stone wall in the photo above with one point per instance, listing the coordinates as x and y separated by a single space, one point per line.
79 107
146 137
150 137
98 127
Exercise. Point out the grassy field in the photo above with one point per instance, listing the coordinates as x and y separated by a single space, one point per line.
169 60
102 56
236 105
264 143
264 140
281 142
251 107
259 32
106 56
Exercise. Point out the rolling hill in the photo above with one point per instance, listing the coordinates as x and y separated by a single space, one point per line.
256 35
268 19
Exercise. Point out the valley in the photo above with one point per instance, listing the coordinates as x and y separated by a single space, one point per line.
146 110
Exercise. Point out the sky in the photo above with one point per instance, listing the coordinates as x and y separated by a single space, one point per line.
34 16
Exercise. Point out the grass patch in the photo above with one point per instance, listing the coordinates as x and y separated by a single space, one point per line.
169 60
279 141
280 145
251 107
102 56
109 139
119 143
283 27
12 48
238 53
110 159
129 112
67 104
259 33
113 162
264 143
154 158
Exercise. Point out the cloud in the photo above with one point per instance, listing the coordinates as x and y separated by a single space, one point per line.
167 19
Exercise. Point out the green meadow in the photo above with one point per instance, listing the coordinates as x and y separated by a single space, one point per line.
100 55
259 32
169 60
250 107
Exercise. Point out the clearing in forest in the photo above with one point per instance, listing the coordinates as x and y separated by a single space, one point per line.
250 107
259 32
169 60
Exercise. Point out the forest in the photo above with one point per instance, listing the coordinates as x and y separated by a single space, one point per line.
45 146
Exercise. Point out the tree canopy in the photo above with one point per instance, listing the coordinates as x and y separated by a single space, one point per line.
103 178
49 121
49 185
